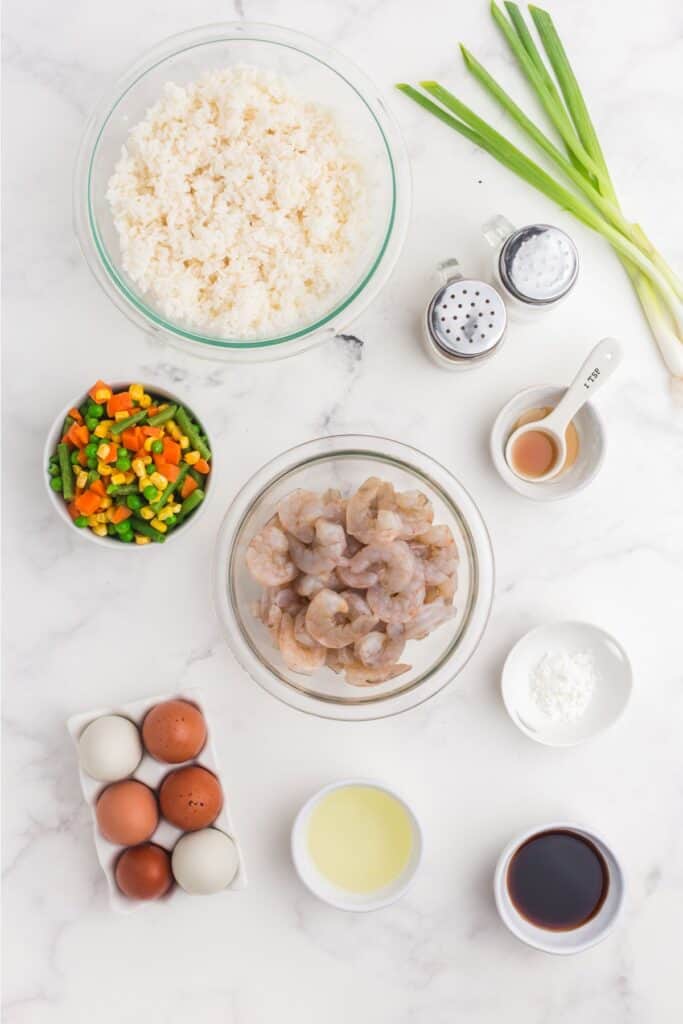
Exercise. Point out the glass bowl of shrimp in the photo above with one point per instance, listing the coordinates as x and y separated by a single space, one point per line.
354 577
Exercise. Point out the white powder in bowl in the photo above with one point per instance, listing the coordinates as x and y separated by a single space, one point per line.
238 205
562 684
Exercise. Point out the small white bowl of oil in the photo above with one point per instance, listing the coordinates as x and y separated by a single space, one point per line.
585 443
357 845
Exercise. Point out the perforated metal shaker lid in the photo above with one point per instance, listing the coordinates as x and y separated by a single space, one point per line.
466 319
539 264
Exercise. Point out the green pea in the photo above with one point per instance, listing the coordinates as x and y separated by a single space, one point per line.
150 492
91 423
123 528
93 475
134 502
123 463
56 483
157 447
53 470
95 410
91 449
92 463
73 457
111 489
171 520
111 530
81 521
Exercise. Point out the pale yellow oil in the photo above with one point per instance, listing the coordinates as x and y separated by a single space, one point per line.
360 838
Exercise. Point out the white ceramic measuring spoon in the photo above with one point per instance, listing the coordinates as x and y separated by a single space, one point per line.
595 371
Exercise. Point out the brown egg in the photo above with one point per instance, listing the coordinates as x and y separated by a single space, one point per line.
191 798
127 812
144 872
174 731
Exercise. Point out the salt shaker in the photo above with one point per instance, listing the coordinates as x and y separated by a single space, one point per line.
465 320
535 267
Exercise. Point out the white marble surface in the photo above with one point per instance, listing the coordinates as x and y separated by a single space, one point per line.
613 555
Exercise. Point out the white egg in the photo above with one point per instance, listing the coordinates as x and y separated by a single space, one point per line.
204 862
110 748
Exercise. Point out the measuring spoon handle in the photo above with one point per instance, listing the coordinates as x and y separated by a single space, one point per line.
595 371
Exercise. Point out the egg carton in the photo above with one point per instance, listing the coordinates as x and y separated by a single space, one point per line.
151 772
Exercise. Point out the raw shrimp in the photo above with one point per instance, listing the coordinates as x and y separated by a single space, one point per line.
268 557
276 600
298 512
299 657
309 585
438 553
415 512
377 650
334 620
398 608
326 551
363 675
443 591
369 513
392 565
428 618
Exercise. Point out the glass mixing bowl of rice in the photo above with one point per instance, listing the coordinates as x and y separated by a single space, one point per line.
344 462
371 139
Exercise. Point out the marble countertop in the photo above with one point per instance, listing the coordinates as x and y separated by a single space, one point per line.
612 555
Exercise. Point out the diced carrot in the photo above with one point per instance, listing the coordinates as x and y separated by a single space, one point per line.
171 451
72 510
170 471
82 458
113 452
75 415
189 485
132 439
202 466
153 410
78 435
98 487
99 389
120 402
119 513
152 431
88 502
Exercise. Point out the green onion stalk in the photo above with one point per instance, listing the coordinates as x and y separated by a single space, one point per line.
593 200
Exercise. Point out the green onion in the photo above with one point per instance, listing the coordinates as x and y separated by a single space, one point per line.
658 288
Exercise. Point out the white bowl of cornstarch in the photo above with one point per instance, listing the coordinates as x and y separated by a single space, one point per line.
565 682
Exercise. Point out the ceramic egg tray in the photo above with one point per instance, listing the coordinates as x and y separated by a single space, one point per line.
152 772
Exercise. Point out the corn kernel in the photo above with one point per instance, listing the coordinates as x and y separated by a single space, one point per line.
148 444
136 391
159 481
192 457
106 502
92 520
129 476
100 530
177 508
103 451
101 517
158 525
174 430
81 479
138 467
110 512
164 514
147 459
145 401
102 429
118 478
184 442
103 395
140 539
145 481
103 469
120 416
147 512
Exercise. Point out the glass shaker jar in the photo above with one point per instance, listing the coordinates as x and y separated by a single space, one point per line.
465 320
535 267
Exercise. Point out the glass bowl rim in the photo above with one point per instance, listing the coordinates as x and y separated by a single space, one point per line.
103 266
406 457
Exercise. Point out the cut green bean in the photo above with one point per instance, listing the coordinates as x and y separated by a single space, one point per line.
171 488
67 471
116 490
192 433
161 417
140 526
131 421
191 503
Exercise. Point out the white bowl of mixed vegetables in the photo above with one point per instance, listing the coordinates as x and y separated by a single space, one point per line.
128 465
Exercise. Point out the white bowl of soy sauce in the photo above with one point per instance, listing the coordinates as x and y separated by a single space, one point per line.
559 888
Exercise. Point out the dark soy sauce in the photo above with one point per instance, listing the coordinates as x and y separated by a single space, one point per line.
558 880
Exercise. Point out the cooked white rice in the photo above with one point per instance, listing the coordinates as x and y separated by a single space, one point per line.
238 205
